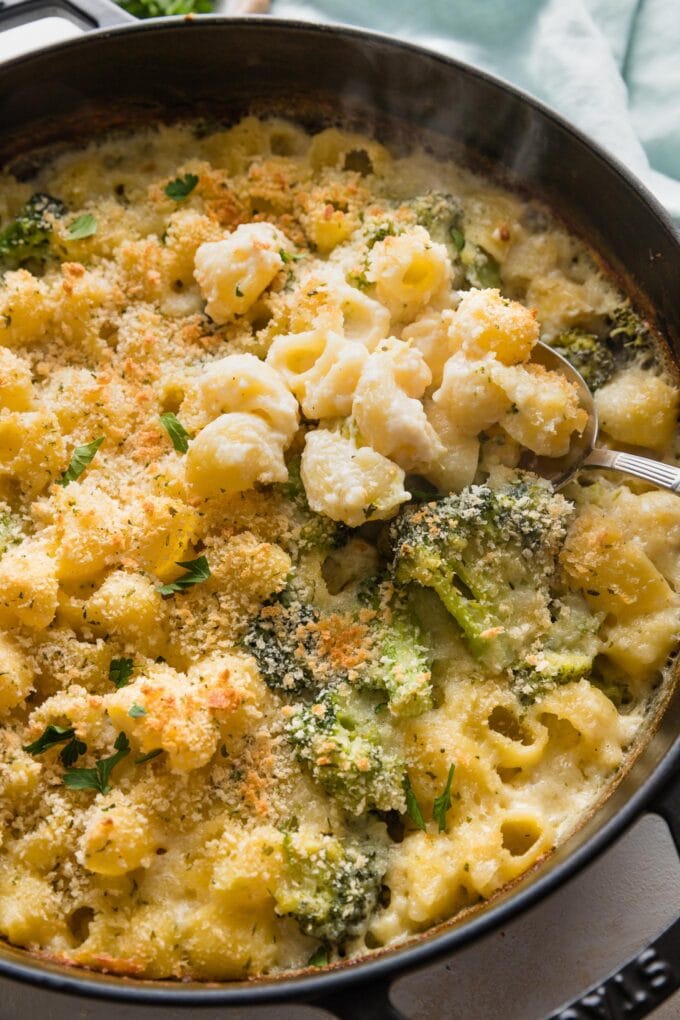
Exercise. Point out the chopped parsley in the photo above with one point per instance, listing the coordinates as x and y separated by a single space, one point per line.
386 230
149 756
180 189
120 671
359 279
81 457
72 751
286 257
84 226
178 434
442 803
196 571
412 805
98 777
50 736
54 735
238 292
137 711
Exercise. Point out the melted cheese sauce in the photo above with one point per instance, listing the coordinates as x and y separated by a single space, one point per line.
177 845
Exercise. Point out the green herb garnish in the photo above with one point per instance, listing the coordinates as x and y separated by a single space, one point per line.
69 754
120 671
181 187
137 711
81 457
149 756
196 571
50 736
358 279
84 226
442 803
53 735
386 230
178 434
98 777
412 805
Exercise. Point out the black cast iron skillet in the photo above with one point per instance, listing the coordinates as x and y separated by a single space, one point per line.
139 71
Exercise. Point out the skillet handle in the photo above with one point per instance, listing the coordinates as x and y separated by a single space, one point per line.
87 14
630 993
369 1001
643 983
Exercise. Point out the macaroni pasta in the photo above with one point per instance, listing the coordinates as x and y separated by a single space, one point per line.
298 660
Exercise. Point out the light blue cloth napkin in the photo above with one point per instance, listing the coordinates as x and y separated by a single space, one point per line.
612 67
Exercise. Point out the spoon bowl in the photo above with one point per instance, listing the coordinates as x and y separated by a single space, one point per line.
584 451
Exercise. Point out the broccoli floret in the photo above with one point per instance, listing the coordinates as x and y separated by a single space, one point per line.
589 356
299 651
565 653
314 532
403 666
442 216
400 663
283 638
332 885
298 648
338 739
628 335
489 554
28 235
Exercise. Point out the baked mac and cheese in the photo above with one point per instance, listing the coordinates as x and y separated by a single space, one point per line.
297 659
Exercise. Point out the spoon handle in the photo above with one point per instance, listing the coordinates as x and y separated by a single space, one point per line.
654 471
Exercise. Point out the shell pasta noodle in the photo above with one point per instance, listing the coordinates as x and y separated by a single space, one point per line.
298 659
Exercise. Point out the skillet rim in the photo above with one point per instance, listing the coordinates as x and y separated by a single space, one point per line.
269 989
171 23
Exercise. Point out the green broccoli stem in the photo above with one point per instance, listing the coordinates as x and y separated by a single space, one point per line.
484 632
489 554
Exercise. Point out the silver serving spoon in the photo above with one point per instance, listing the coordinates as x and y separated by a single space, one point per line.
584 453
